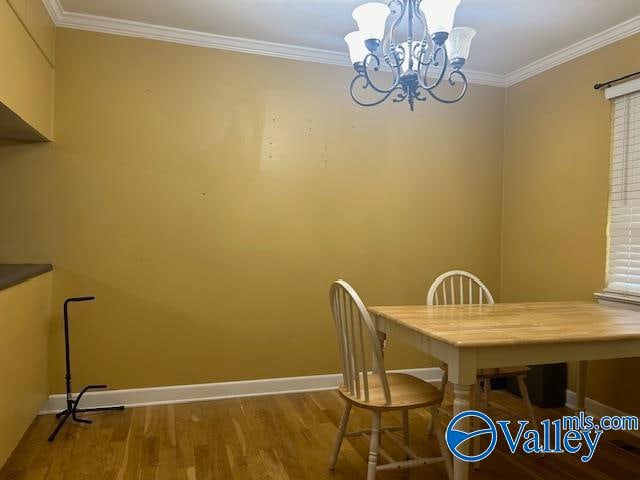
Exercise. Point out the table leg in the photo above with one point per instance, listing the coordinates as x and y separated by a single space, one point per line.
461 402
581 387
476 405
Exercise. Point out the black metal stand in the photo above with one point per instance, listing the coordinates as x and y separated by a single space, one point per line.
72 405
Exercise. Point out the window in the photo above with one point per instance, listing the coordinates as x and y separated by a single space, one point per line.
623 272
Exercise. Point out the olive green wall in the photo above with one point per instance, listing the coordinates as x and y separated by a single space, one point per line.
208 199
556 187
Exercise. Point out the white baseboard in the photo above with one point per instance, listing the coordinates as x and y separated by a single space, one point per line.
138 397
597 409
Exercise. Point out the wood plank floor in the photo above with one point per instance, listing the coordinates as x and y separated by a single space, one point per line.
272 437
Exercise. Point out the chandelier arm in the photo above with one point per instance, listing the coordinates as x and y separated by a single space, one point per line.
423 22
419 96
396 57
410 41
402 95
422 76
376 67
421 62
388 40
465 85
365 104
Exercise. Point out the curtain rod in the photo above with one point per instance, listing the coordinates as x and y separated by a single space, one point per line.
598 86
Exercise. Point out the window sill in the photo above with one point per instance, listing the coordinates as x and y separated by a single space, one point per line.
618 300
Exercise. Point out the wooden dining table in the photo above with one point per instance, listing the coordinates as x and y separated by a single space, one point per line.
469 337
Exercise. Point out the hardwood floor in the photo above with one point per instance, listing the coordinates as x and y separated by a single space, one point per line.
272 437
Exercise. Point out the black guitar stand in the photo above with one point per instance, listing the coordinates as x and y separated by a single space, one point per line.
72 405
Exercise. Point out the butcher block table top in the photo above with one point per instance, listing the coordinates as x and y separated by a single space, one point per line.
516 323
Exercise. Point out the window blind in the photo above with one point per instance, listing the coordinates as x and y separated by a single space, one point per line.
623 272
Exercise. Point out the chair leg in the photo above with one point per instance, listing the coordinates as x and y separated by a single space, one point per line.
486 392
476 405
405 427
430 426
373 446
340 435
524 393
444 450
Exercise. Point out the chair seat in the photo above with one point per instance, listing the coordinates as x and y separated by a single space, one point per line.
485 373
407 391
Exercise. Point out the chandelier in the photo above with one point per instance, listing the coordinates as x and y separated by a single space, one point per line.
419 64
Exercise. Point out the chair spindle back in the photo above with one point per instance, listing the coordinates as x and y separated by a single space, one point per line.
360 350
458 287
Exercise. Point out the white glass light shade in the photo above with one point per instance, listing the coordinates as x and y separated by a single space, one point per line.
357 48
371 19
459 42
439 14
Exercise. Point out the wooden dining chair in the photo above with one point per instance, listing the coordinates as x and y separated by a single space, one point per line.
366 384
458 287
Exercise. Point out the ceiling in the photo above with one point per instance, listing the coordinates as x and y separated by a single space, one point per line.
511 33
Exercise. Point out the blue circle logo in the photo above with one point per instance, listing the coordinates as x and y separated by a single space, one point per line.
456 437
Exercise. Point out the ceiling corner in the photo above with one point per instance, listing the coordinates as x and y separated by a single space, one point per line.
55 10
599 40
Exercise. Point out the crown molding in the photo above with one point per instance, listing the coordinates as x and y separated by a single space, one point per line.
81 21
595 42
485 78
55 10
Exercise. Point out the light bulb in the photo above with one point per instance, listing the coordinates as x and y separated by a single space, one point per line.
407 54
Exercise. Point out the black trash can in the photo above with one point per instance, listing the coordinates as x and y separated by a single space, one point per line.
547 385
